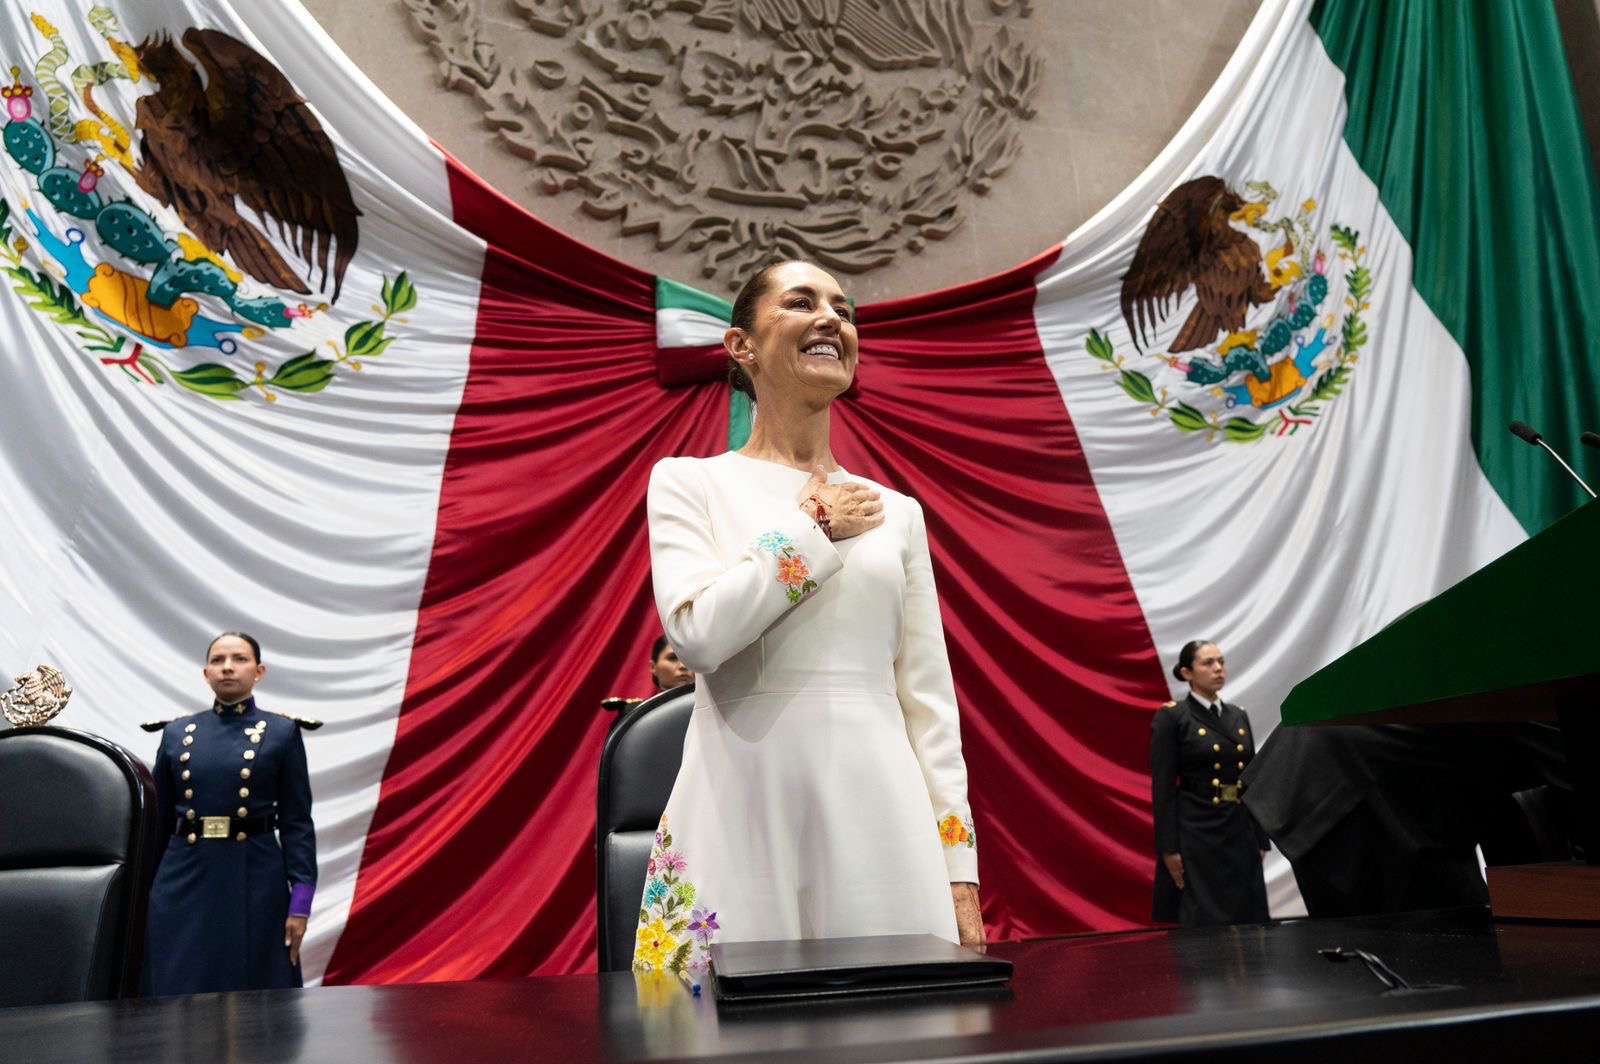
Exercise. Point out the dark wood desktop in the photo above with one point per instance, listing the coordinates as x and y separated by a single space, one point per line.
1258 993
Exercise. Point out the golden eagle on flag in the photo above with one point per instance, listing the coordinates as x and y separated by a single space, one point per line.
1191 241
244 133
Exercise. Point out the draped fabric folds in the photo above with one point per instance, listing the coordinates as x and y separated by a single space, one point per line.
423 484
1055 672
537 605
1499 200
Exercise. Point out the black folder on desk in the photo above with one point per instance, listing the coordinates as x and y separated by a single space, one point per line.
831 967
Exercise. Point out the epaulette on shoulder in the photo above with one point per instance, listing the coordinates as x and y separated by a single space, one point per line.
1169 705
308 723
157 725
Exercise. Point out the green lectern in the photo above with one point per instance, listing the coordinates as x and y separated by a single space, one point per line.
1515 641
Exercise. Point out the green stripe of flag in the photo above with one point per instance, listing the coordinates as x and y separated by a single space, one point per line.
687 315
671 295
1464 116
741 412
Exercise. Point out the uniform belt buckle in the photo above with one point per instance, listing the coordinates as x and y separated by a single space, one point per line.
1230 793
214 827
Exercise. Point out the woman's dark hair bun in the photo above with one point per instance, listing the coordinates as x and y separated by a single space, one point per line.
739 380
1186 657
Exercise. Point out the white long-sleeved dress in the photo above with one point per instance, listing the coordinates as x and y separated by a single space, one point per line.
822 791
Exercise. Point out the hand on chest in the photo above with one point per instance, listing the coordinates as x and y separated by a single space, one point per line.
874 562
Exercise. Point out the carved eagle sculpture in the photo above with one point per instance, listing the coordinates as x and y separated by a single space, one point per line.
887 36
1189 241
244 135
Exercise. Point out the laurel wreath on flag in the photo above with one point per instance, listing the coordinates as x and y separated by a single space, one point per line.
1290 418
305 373
53 299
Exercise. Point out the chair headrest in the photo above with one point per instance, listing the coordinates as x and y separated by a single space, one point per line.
69 798
641 760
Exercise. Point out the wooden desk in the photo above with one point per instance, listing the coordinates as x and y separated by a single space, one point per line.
1527 992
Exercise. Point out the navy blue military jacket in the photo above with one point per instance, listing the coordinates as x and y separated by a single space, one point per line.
1196 759
1194 755
225 778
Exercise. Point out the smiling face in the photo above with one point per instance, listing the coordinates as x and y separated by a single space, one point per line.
801 342
232 670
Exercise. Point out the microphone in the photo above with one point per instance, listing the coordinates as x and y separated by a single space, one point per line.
1591 439
1528 434
1525 432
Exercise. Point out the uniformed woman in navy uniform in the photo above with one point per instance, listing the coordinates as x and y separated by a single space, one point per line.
229 906
1209 849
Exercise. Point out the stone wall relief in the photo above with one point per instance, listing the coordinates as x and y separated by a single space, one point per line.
840 131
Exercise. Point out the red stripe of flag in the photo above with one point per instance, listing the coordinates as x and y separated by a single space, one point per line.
479 860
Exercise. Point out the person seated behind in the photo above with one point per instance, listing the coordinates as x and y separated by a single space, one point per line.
667 670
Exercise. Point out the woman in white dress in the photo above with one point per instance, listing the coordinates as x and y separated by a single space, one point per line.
822 792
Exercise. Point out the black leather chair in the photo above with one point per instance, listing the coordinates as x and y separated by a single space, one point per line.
637 770
78 847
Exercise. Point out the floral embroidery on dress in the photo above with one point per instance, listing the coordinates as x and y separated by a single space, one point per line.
703 926
793 572
773 542
957 830
674 933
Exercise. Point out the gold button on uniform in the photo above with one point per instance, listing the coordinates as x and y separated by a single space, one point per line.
1241 764
1216 765
186 773
255 738
188 793
1239 747
188 727
1216 783
249 755
1241 731
184 756
188 740
1216 800
1217 747
1202 731
243 811
244 792
192 837
189 815
244 773
240 837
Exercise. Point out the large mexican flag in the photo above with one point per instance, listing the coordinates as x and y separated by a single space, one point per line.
1259 398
